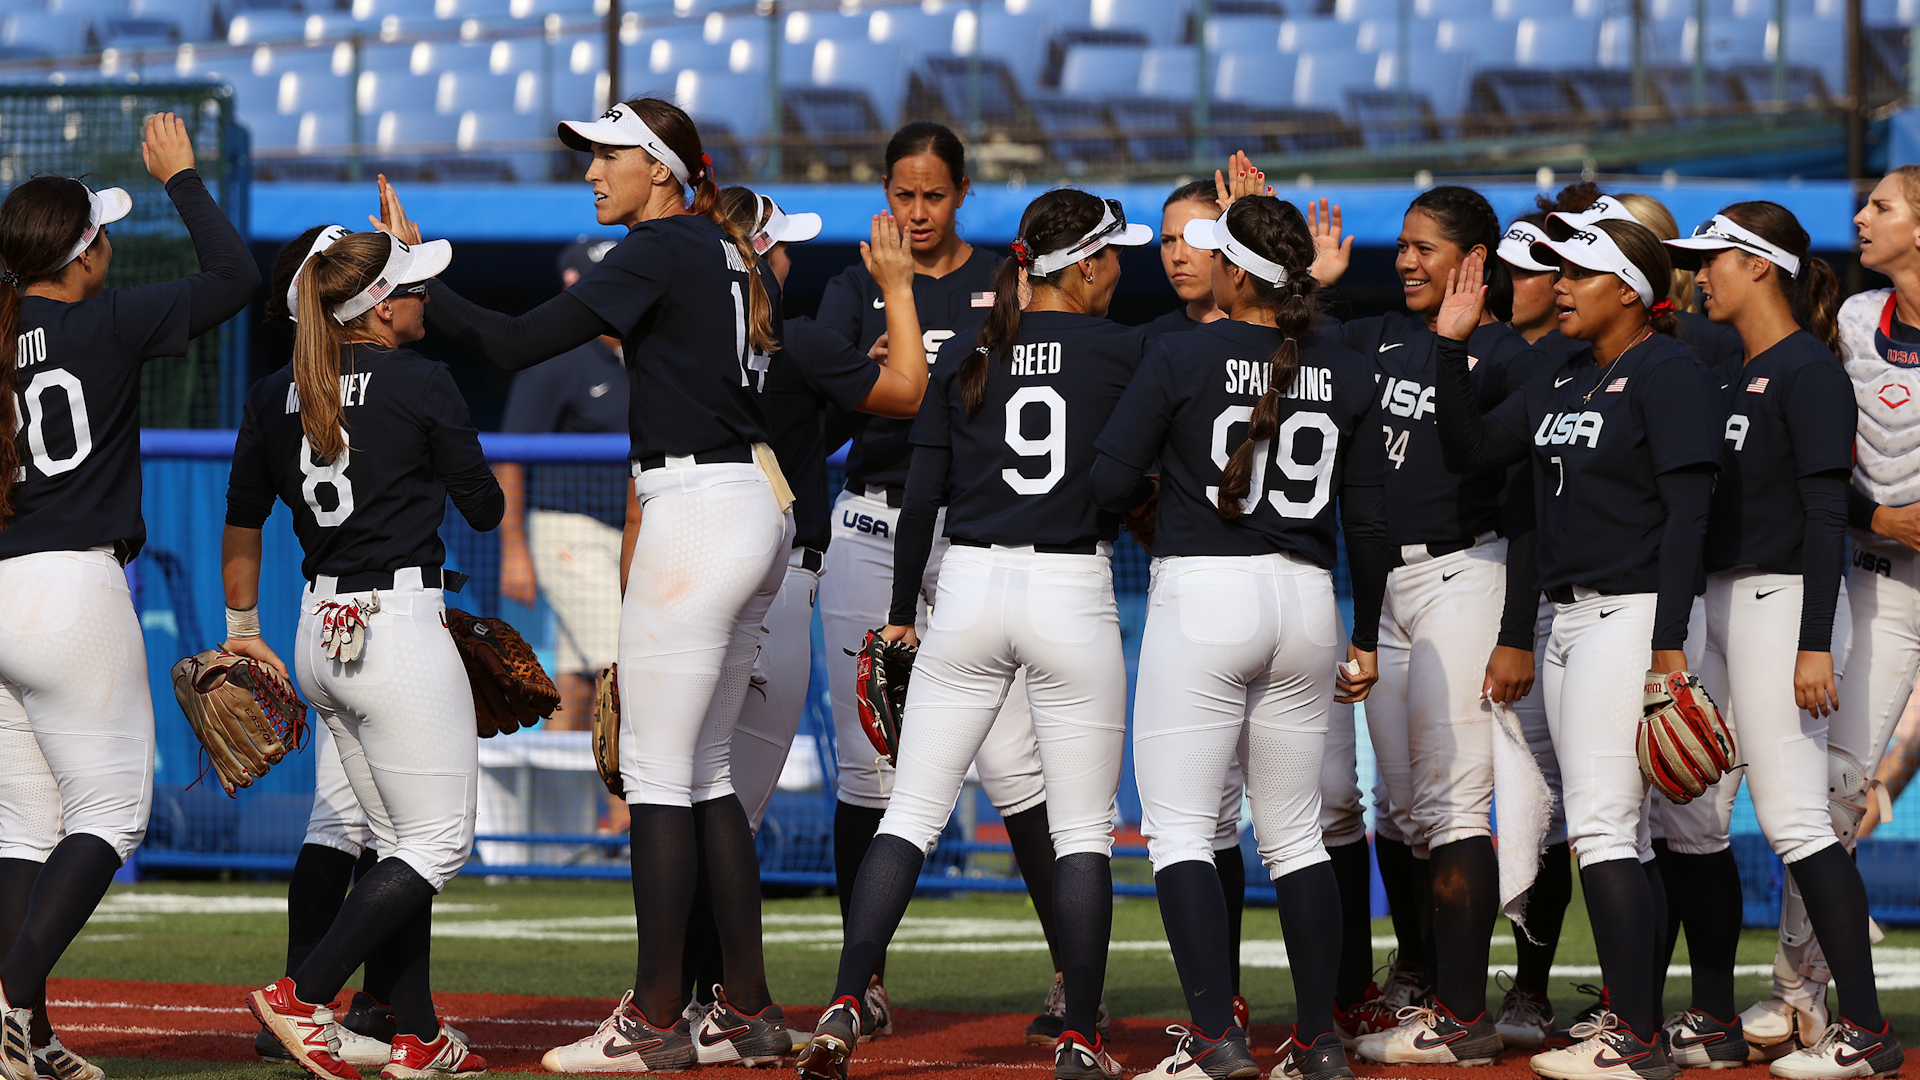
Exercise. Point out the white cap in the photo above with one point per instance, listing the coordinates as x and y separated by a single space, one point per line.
771 227
407 264
1594 249
320 243
1516 247
1562 224
1113 229
1722 233
621 126
1211 234
103 208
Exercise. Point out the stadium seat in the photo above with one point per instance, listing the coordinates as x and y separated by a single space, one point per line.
1018 40
1556 43
385 91
1163 23
1888 54
1383 35
431 56
740 100
375 10
1506 100
1453 9
458 92
837 129
325 131
801 27
488 11
1076 133
511 55
1820 44
524 156
1887 12
334 59
301 91
670 55
1354 11
1674 85
917 31
1796 9
1243 32
1439 77
1169 71
1385 119
1323 78
406 128
128 34
579 95
87 9
1684 9
1153 130
941 87
1659 45
1805 89
253 27
1054 13
1728 41
1255 76
1100 71
396 57
1317 35
1603 97
193 17
879 70
270 130
59 35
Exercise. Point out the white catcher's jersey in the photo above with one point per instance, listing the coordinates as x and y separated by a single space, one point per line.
1886 384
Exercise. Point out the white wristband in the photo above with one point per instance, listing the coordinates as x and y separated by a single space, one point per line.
243 624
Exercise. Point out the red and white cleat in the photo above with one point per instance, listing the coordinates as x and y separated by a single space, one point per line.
444 1056
307 1031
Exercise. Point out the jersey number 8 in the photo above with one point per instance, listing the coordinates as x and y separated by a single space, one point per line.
1282 451
333 475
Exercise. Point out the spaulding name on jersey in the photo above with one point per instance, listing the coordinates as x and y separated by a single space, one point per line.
1252 376
1559 429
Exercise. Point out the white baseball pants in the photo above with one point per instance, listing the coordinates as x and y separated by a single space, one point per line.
1883 591
74 702
998 610
1532 712
337 820
402 720
1343 816
1235 648
709 559
1432 730
855 593
777 693
1596 671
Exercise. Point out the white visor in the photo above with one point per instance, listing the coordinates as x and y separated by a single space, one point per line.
1113 229
407 264
775 227
1561 224
103 208
320 243
1722 233
621 126
1210 234
1594 249
1516 248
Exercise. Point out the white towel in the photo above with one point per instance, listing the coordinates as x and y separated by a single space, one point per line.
1522 805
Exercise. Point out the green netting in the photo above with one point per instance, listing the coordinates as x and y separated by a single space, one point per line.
93 132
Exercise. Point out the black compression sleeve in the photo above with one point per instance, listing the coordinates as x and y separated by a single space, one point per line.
514 341
1117 486
913 542
1860 508
1363 516
1685 493
228 276
1523 564
1467 440
1821 553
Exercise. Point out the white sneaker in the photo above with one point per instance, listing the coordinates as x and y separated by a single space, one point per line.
16 1043
1606 1051
1525 1020
879 1013
1432 1037
55 1062
1775 1027
625 1043
1844 1050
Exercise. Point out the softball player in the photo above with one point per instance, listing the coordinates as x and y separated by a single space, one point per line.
1189 269
1774 537
1242 633
71 355
365 441
696 323
1624 448
1007 431
926 184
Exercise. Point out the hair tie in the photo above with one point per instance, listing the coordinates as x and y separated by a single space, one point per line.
1021 254
8 277
1664 307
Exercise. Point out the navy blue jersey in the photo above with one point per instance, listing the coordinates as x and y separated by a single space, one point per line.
1188 409
1426 503
1599 438
1793 417
1020 464
853 308
1172 322
1719 347
814 370
378 506
675 291
582 390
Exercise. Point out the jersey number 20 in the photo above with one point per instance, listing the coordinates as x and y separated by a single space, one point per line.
1282 450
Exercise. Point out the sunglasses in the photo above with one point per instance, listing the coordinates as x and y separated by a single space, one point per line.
417 290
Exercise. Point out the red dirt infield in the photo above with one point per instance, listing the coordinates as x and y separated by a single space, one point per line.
202 1022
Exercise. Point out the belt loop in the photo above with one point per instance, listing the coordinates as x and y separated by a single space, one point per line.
408 577
634 468
325 585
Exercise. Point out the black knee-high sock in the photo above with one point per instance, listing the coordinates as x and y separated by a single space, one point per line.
376 976
1083 910
1352 877
1674 880
1703 895
1309 901
732 870
877 903
666 866
1194 913
853 830
1032 840
16 890
1662 948
64 895
1620 904
1230 865
1396 875
1546 909
701 967
1423 914
407 955
1466 901
380 905
1837 906
321 876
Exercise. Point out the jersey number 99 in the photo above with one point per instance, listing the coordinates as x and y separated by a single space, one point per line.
1281 449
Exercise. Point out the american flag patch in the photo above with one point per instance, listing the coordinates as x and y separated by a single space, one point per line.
983 299
1617 385
1758 386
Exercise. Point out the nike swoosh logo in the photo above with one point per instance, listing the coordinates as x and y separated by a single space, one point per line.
1604 614
1764 595
719 1037
618 1049
1450 577
599 389
1421 1042
1684 1041
1848 1061
1395 345
879 302
1558 383
1601 1060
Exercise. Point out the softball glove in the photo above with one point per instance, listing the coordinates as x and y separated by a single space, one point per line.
245 714
510 688
1683 743
606 730
881 671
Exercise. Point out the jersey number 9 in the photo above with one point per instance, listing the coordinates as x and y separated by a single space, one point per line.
1052 445
1282 447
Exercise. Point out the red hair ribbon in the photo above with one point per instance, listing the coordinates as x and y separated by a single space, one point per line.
1020 253
1664 307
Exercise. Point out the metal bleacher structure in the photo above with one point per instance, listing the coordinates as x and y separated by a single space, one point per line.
808 89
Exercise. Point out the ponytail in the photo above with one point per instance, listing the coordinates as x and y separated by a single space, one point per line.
996 337
316 364
1815 293
1051 222
1273 230
1816 302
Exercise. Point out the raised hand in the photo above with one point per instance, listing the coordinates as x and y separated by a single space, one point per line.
1465 300
1331 254
393 217
888 255
165 147
1240 179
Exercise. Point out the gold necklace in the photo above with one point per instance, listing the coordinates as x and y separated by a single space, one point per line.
1602 372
